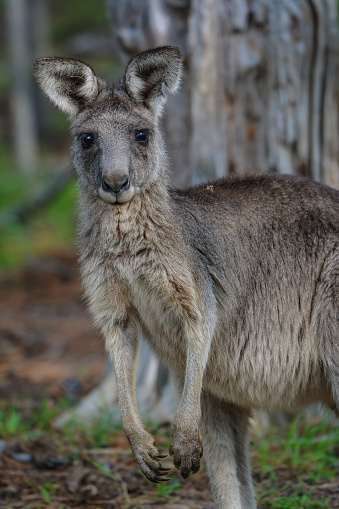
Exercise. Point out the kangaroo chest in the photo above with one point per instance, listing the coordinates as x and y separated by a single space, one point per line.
159 298
162 329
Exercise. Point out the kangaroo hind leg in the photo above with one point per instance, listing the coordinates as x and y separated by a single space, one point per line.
327 323
224 430
330 356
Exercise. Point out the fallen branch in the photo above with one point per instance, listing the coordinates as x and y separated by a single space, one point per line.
21 213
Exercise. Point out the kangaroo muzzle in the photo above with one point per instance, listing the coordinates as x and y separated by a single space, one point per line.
115 189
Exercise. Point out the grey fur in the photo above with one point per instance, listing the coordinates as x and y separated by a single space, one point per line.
235 283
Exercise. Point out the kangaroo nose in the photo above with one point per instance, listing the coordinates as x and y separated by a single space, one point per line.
111 184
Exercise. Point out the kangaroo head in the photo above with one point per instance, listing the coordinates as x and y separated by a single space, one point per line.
117 147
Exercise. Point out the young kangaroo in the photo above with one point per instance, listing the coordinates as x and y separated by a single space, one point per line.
235 283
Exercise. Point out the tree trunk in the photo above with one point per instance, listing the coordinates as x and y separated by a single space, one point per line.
21 61
260 93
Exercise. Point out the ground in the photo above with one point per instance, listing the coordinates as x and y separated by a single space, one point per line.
51 355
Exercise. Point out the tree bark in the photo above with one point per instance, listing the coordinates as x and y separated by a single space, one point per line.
260 91
21 61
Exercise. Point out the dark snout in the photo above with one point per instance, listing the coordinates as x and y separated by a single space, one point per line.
115 188
115 184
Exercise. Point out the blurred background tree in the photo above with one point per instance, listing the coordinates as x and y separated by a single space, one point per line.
260 93
35 168
260 90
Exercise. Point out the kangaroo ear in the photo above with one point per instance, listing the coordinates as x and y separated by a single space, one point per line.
70 84
149 72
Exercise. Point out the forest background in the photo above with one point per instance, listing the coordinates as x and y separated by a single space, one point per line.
51 357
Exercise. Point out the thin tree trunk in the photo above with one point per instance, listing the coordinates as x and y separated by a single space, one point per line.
21 61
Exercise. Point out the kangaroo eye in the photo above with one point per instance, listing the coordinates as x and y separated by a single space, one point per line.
142 136
86 139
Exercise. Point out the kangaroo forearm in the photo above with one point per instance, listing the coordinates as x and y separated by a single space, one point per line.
122 345
195 367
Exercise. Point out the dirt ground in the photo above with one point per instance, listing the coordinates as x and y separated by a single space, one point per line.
49 351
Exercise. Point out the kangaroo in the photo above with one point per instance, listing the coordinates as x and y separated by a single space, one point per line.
234 283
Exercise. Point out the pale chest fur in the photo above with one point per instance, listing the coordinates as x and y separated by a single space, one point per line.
131 265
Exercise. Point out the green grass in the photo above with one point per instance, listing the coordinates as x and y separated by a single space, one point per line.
306 444
292 462
100 433
168 489
15 423
297 501
289 464
48 490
